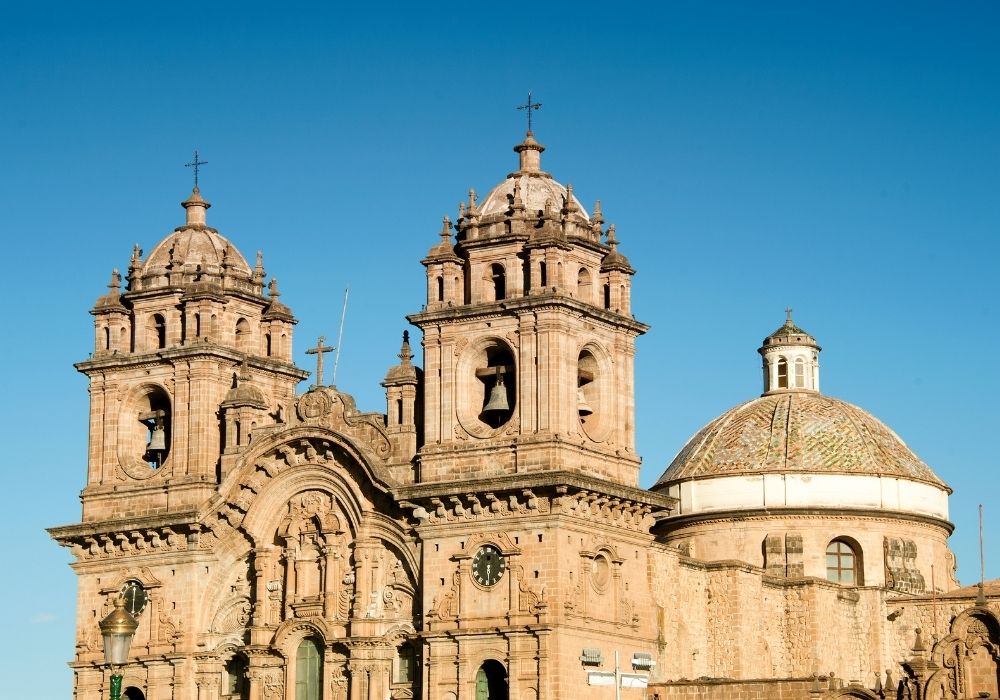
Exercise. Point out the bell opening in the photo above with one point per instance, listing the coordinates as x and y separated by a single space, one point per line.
498 388
157 423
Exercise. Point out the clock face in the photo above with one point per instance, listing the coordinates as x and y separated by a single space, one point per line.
488 565
135 597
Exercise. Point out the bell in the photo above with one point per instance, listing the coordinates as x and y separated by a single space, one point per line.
581 403
157 439
498 397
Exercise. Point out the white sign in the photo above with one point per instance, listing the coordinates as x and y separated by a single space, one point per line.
600 678
634 680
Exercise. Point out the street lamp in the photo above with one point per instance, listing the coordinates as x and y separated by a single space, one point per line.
117 628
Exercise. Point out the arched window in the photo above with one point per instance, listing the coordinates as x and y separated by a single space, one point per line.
583 288
440 288
782 373
800 373
243 335
267 344
107 338
607 296
236 686
157 331
197 325
843 563
308 670
499 278
542 280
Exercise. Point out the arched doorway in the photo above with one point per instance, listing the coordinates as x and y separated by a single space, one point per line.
491 681
133 693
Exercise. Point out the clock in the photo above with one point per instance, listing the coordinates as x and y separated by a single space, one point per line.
135 597
488 565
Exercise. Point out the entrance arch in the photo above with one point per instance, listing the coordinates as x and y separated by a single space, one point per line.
133 693
491 681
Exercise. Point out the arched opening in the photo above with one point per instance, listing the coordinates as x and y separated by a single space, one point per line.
149 439
782 373
243 335
800 373
308 670
499 386
491 681
607 296
267 344
236 686
583 286
133 693
156 332
107 338
440 288
197 325
499 278
399 411
843 562
542 279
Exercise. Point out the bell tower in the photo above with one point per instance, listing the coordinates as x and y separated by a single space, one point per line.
529 339
189 363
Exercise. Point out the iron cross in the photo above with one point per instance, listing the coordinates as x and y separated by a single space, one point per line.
530 107
196 164
318 351
788 312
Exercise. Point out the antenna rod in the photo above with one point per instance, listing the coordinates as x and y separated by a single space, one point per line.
982 559
340 336
934 602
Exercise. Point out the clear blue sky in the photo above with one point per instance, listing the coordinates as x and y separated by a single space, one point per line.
841 158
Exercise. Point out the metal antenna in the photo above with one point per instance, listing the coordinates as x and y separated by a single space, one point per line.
196 164
340 336
530 107
981 596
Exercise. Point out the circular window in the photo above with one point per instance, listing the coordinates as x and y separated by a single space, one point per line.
600 572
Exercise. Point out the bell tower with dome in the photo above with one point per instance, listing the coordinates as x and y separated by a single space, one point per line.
193 339
528 336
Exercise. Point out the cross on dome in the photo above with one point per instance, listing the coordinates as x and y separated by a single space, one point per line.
319 351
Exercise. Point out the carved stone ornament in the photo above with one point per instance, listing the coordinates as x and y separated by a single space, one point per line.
315 404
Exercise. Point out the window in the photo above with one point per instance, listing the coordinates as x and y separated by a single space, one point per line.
542 280
583 288
499 277
308 670
243 335
607 296
157 331
236 678
842 563
800 373
440 288
406 664
782 373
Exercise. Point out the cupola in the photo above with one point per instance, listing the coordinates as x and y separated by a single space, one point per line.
790 359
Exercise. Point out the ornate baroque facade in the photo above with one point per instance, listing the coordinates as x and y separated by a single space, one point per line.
486 536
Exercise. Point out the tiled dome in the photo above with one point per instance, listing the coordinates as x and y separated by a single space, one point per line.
796 432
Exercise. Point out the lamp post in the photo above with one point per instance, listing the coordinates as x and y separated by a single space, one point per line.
117 628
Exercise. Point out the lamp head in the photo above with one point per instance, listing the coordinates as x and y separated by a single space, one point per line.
117 629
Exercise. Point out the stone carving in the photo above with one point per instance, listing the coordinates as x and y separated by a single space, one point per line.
233 617
901 573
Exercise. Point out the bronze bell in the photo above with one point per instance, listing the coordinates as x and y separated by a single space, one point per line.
498 397
581 403
157 439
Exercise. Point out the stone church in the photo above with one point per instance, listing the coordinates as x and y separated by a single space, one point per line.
485 537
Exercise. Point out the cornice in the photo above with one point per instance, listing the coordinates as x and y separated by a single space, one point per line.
670 525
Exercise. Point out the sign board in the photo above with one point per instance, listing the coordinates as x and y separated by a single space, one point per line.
600 678
634 680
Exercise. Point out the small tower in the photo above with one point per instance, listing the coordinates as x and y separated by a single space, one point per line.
790 359
402 421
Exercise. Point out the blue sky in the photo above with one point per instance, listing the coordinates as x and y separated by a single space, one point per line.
841 158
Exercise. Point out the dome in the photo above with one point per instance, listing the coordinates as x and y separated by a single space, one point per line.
796 432
533 186
191 247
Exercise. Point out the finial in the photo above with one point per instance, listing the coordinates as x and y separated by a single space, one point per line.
570 204
461 210
597 216
272 288
136 255
472 200
446 228
530 107
918 642
611 240
404 351
116 281
788 315
518 203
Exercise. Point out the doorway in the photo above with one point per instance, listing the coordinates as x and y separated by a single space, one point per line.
491 681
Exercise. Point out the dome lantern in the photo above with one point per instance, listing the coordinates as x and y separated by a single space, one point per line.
790 359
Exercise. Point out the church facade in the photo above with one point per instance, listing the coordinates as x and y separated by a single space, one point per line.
486 536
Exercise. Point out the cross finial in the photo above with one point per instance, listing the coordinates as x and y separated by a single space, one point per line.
788 313
529 107
196 163
318 351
